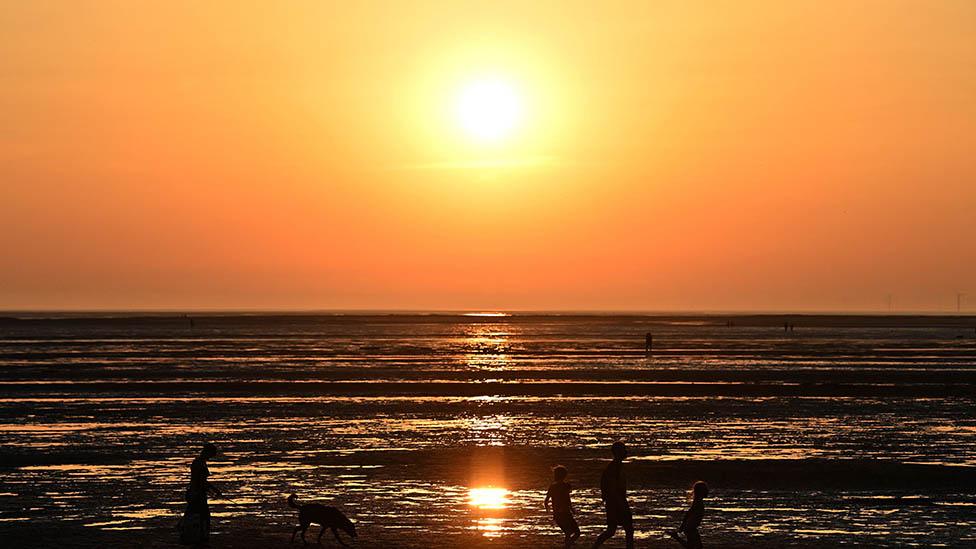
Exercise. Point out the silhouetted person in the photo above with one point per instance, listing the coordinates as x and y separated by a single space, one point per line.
195 524
613 489
648 342
693 518
562 507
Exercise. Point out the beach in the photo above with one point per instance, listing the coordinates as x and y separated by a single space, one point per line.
846 430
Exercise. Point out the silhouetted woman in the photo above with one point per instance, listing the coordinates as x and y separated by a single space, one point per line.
195 525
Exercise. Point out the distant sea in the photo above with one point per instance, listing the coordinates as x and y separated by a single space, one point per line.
845 430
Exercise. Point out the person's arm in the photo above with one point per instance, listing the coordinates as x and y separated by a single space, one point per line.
214 490
622 485
605 487
684 521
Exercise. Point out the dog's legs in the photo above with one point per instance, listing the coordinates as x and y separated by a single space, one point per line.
295 531
674 535
336 534
321 531
304 528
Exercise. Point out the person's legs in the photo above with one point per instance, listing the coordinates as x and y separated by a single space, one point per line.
204 524
628 525
694 539
616 516
199 506
572 531
575 536
605 535
567 523
206 519
560 520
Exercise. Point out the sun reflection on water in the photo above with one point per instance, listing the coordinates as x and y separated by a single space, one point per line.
489 497
490 527
489 430
487 347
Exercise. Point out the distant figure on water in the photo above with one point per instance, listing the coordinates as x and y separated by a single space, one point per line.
648 342
613 489
195 524
562 507
693 517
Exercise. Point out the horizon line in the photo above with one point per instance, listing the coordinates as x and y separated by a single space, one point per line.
471 311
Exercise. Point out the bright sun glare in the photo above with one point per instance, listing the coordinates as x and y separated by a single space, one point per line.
489 109
488 498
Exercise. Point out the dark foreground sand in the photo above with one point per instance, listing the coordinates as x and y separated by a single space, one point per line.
237 534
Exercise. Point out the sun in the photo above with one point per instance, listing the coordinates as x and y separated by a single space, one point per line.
489 109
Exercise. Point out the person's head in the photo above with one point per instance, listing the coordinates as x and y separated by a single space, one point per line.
209 450
619 450
699 490
559 473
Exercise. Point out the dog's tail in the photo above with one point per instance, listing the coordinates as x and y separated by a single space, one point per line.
293 501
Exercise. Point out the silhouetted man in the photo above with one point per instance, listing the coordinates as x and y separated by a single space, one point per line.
648 342
613 489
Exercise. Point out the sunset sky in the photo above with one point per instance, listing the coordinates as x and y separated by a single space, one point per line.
645 155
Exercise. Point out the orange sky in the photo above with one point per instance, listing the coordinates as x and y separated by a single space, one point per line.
674 155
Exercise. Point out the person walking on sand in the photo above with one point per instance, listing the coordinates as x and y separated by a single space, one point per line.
613 489
195 524
648 342
562 507
693 518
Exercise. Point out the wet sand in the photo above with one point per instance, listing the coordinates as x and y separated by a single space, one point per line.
855 431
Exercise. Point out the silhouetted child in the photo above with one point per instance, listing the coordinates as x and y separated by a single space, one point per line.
693 518
562 508
613 490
